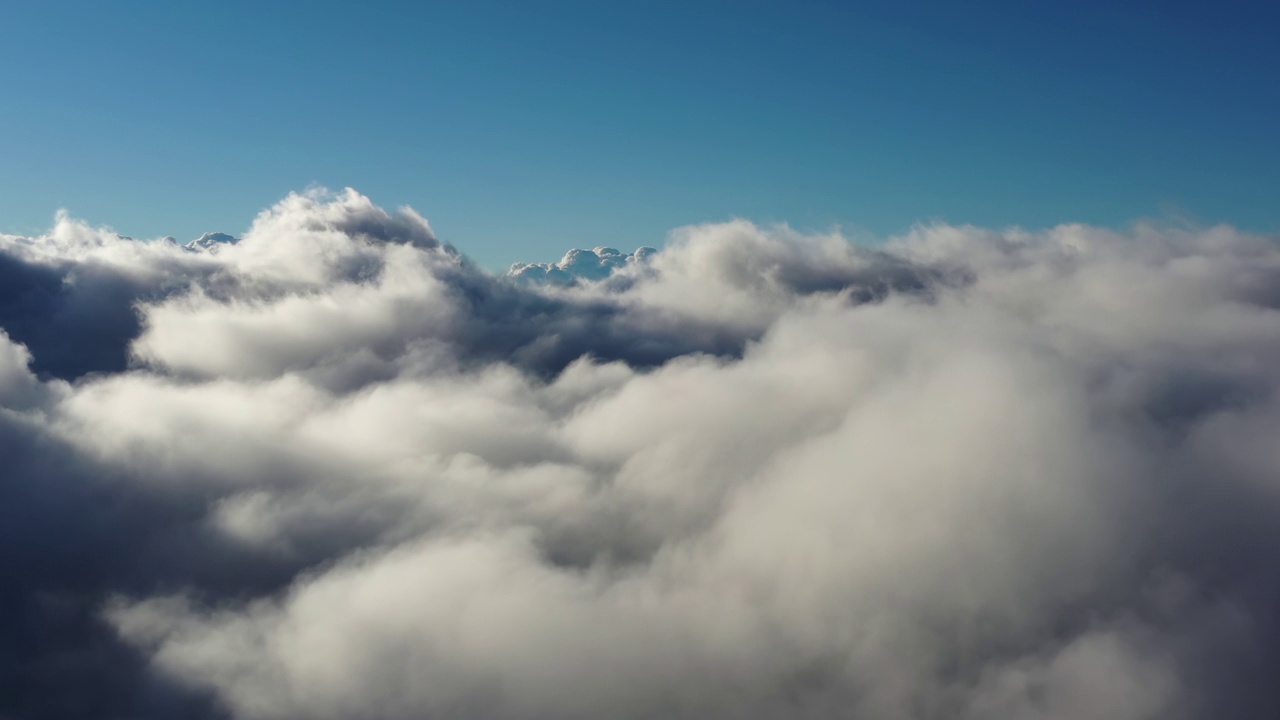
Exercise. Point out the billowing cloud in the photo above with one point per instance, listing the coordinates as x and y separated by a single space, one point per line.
335 470
578 265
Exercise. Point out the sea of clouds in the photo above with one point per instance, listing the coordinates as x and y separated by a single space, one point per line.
336 470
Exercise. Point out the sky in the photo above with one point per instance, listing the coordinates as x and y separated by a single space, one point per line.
945 386
521 130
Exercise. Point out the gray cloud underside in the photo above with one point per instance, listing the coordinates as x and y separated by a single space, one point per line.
334 470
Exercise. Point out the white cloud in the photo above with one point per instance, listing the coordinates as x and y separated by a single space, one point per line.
577 265
968 474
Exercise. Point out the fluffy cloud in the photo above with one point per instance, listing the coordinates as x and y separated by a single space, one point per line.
334 469
579 265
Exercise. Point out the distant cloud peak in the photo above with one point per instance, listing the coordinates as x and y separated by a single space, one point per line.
580 265
211 241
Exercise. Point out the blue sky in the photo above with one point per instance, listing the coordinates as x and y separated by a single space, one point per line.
521 129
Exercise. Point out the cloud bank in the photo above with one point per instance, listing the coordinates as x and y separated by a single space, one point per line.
335 470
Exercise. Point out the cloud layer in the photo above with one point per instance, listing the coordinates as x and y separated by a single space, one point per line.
335 470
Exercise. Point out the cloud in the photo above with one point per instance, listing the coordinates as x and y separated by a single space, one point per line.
596 264
211 242
334 469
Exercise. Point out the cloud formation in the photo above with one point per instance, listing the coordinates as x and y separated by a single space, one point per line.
578 265
335 470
